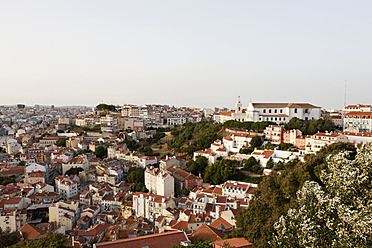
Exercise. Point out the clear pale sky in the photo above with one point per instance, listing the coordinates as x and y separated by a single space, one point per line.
185 53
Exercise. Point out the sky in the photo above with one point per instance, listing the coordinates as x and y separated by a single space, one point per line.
185 53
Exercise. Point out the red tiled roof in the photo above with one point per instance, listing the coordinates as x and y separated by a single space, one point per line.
161 240
234 242
208 233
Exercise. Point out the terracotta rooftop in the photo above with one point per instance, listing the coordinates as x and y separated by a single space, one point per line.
161 240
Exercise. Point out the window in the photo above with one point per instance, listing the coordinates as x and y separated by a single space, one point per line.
276 111
270 111
281 111
264 110
306 111
295 110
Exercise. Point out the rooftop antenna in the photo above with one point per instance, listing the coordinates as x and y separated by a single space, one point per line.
345 94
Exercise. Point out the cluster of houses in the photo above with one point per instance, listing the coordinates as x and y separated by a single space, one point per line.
68 189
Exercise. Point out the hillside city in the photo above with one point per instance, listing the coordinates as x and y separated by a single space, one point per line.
130 175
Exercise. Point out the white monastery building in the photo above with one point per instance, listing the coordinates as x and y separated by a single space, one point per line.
275 112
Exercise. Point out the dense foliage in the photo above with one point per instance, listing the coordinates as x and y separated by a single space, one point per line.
310 126
248 150
277 194
256 141
198 166
223 170
104 106
101 152
286 146
52 240
61 142
4 180
8 238
190 137
74 171
253 166
136 175
337 211
248 125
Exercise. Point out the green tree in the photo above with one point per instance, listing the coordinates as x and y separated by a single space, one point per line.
335 212
286 146
52 240
276 194
270 146
74 171
192 137
221 171
101 152
21 163
61 142
198 166
294 123
136 176
256 141
253 165
104 106
270 163
8 238
248 150
5 180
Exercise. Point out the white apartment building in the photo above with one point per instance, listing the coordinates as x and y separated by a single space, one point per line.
238 190
159 182
275 112
151 206
14 219
357 108
176 120
274 134
67 186
316 142
359 121
358 138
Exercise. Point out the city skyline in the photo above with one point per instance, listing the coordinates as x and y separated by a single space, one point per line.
200 54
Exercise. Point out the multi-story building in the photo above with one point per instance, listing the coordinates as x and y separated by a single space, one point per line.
358 121
151 206
67 186
64 213
357 108
275 112
241 190
159 182
14 219
316 142
274 134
